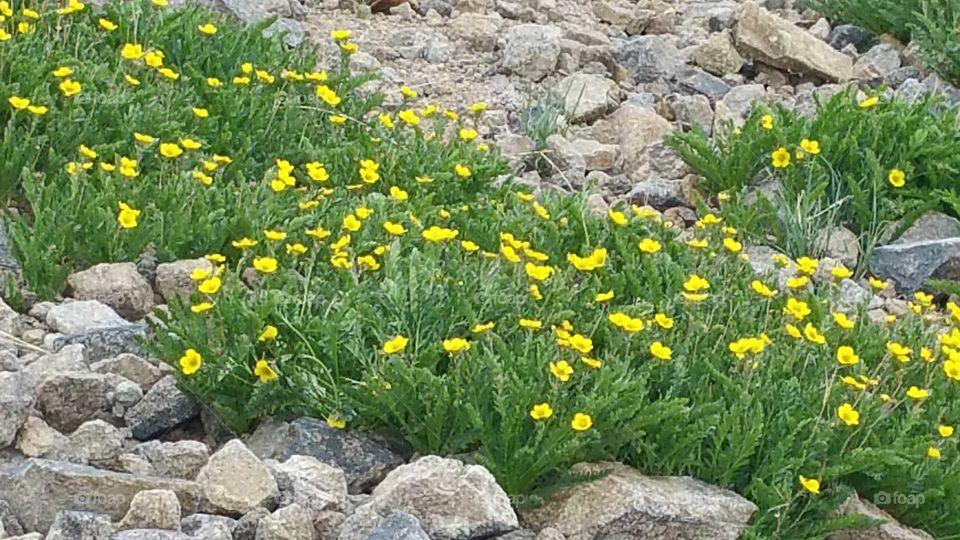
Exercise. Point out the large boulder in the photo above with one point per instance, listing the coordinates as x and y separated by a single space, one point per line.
929 249
779 43
117 285
627 504
453 501
235 481
532 50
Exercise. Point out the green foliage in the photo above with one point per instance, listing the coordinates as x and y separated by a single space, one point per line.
846 183
892 17
937 33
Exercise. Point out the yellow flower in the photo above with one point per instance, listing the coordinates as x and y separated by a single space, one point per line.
810 484
649 245
899 351
338 119
200 274
841 320
813 335
207 29
846 356
439 234
69 87
131 51
395 345
535 292
210 285
626 322
409 117
349 48
587 264
537 272
617 217
159 3
591 362
952 369
483 327
190 144
840 272
455 345
19 103
877 284
663 321
170 150
266 265
766 121
933 452
169 73
698 244
351 223
477 108
761 289
28 13
153 59
732 245
200 112
269 333
531 324
467 134
396 229
338 422
328 96
797 282
131 81
398 194
214 82
561 370
869 102
807 266
190 362
581 422
945 431
264 371
604 297
127 217
780 158
661 351
541 411
462 170
696 283
848 415
38 110
810 146
897 178
916 392
341 35
469 246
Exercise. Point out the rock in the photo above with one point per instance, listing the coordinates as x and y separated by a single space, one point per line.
736 106
911 264
246 527
38 489
37 439
656 161
839 243
611 13
312 484
104 343
117 285
93 441
820 29
575 158
451 499
702 82
364 459
208 527
480 31
890 530
150 534
83 316
181 459
292 522
852 295
720 18
69 399
659 193
532 50
587 97
627 504
637 128
134 464
130 367
9 524
692 111
70 358
16 399
648 58
173 279
31 536
717 55
930 226
71 525
235 481
399 526
880 61
779 43
250 13
848 34
162 408
9 318
10 269
442 7
152 509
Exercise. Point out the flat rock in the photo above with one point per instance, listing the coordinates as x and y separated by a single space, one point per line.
37 439
251 12
130 367
930 226
83 316
107 342
363 458
181 459
94 441
778 42
38 489
117 285
627 504
532 50
69 399
911 264
292 522
717 55
312 484
208 526
150 534
162 408
234 481
890 530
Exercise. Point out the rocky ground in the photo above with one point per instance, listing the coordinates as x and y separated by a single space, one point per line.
97 442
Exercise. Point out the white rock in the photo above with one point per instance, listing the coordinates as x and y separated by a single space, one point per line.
235 481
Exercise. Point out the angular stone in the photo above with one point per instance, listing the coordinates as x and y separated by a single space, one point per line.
930 226
181 459
83 316
479 31
779 43
532 50
17 396
10 269
69 358
364 459
103 343
246 527
250 12
736 106
69 399
848 34
880 61
37 439
453 501
587 97
627 504
130 367
659 193
38 489
889 530
717 55
312 484
93 441
208 527
839 243
704 83
117 285
657 161
292 522
152 509
70 525
692 111
399 526
162 408
911 264
637 127
150 534
235 481
648 58
173 279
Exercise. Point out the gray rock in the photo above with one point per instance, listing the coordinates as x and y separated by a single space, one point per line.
721 18
627 504
17 395
779 43
38 489
442 7
94 441
37 439
181 459
292 522
657 161
70 358
83 316
69 399
736 105
8 521
162 408
648 58
130 367
880 61
31 536
480 31
848 34
717 55
636 128
692 111
150 534
10 268
910 265
399 526
587 97
930 226
104 343
532 50
208 526
173 279
117 285
250 12
852 295
234 481
70 525
134 464
451 499
312 484
704 83
152 509
659 193
820 29
889 530
246 527
839 243
364 459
